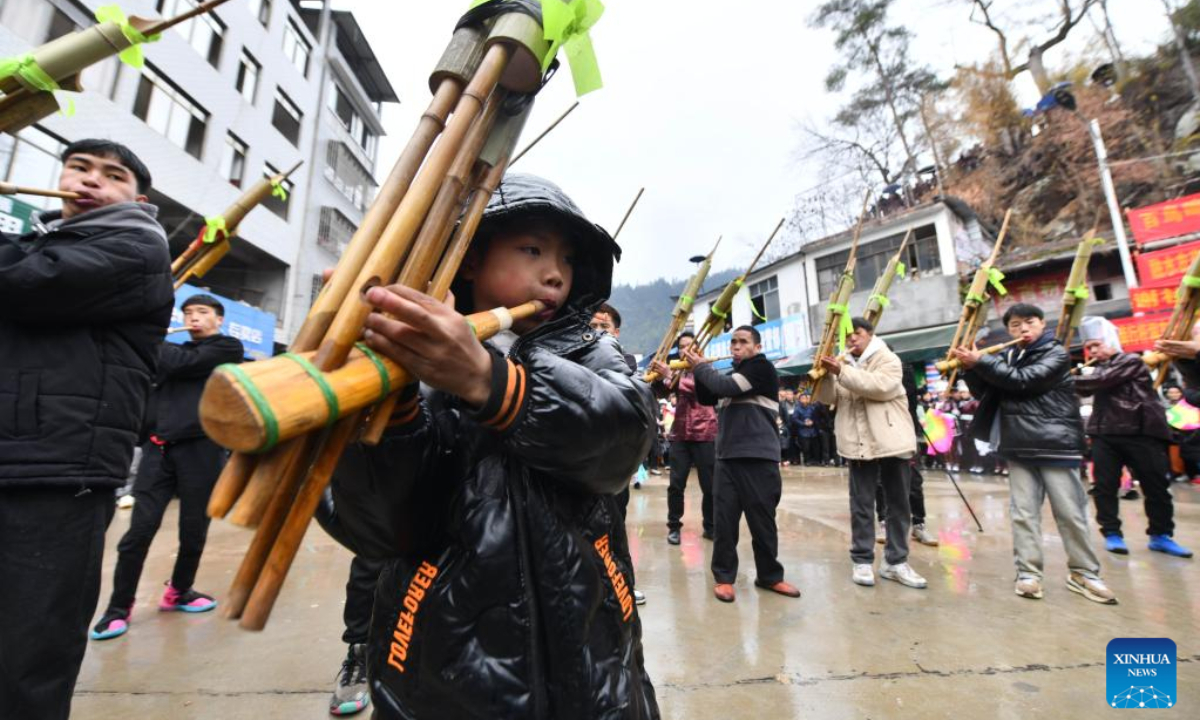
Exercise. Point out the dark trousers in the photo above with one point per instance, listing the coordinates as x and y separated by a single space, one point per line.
188 469
752 487
916 496
685 455
865 477
51 548
360 597
810 449
1147 460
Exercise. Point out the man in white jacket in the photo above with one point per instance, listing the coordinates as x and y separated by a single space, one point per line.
875 434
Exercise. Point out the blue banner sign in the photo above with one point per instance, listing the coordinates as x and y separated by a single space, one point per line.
255 328
780 339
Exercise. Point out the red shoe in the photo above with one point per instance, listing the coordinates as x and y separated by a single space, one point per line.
781 587
724 592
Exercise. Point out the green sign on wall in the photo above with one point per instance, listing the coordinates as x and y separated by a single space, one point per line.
16 216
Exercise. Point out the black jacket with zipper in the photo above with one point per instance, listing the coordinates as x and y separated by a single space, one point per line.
84 305
1125 402
1033 392
182 372
747 400
508 591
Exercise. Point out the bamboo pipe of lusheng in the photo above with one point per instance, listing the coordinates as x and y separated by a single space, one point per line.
279 517
10 189
685 365
1079 368
1182 320
543 134
1075 292
945 366
973 311
237 471
682 311
279 554
878 301
393 246
716 320
838 303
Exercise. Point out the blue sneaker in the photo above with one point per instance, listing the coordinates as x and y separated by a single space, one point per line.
1166 544
1116 544
114 623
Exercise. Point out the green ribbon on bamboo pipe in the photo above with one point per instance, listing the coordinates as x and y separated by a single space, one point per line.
212 226
757 314
132 55
994 279
882 300
845 325
27 71
976 298
1191 281
901 268
1080 292
566 25
279 191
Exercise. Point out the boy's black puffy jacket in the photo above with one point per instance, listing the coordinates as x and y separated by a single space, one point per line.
84 304
1034 392
508 595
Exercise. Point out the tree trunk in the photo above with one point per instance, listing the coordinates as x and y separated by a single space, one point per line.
890 96
1184 56
1037 68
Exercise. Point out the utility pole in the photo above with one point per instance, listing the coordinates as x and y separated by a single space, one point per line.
1114 209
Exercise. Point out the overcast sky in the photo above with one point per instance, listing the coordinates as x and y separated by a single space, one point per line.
701 105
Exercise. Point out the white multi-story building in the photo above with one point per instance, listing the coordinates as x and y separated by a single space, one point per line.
223 100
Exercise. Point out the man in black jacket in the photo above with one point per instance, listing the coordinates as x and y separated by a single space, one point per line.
747 478
1028 411
178 460
84 301
1128 429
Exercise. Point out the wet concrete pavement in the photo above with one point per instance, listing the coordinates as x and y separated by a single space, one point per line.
966 646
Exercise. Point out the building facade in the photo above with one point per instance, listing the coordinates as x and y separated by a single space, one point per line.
223 100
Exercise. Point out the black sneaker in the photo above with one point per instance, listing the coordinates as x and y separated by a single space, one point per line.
673 537
352 694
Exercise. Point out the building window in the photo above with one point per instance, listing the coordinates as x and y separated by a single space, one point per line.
275 204
921 257
315 288
764 296
261 9
334 231
348 175
249 70
170 111
295 47
60 25
1102 292
351 120
233 160
32 159
287 117
205 33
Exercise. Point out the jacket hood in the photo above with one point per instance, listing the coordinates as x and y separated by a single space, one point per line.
126 215
521 195
873 347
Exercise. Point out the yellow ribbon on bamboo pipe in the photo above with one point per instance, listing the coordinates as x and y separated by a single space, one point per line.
252 408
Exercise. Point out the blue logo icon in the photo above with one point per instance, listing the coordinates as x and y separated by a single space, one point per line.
1141 673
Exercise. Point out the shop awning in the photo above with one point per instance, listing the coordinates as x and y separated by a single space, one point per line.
911 346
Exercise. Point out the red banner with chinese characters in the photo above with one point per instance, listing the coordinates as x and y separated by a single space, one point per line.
1045 291
1157 298
1139 333
1163 267
1166 219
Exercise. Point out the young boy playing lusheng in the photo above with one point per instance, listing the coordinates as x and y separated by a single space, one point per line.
84 301
506 594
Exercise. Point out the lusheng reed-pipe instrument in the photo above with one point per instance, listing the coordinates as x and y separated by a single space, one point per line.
878 301
974 311
182 328
1183 319
10 189
543 134
1075 293
56 65
682 311
1079 368
837 314
214 240
685 365
718 312
409 235
945 366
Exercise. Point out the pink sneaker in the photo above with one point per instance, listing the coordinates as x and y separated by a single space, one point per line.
188 601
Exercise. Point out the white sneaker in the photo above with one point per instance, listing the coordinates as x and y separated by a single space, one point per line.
639 598
923 536
903 574
125 502
863 575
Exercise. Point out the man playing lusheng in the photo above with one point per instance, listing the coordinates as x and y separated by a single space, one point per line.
747 478
1128 429
1028 411
875 435
84 301
506 590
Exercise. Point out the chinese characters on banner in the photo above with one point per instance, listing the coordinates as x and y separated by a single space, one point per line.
1163 267
1153 299
1139 333
1045 291
1166 219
